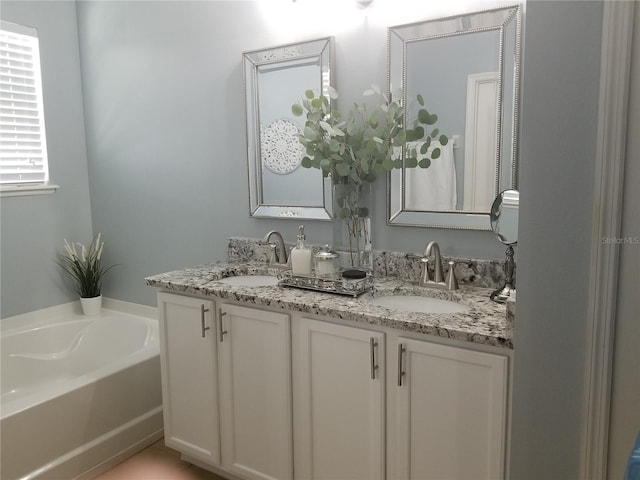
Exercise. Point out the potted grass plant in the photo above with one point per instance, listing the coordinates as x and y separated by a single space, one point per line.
83 264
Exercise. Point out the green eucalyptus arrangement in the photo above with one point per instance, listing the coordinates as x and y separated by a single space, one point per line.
355 148
367 141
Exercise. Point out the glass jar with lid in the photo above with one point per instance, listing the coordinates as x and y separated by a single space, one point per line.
327 263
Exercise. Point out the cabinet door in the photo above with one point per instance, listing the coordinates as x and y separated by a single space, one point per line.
255 387
189 380
338 401
450 413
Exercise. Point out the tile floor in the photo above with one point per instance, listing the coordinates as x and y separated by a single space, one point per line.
157 462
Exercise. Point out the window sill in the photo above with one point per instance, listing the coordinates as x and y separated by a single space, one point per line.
23 190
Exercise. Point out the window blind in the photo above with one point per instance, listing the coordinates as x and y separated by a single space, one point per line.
23 148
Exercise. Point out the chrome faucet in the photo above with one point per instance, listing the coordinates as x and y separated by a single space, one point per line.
280 256
438 281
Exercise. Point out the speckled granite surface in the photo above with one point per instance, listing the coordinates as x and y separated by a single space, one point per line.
484 323
469 271
511 315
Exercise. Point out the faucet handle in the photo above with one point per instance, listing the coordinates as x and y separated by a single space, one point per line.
452 281
272 252
425 276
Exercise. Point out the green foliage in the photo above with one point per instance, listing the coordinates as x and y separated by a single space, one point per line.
368 140
83 265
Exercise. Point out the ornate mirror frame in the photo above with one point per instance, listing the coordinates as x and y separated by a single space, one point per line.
506 23
279 75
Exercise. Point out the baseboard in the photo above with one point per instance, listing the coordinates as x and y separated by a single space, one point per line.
99 455
121 456
209 468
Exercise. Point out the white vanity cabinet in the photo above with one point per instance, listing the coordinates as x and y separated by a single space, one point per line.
339 392
226 385
189 376
263 394
447 412
255 392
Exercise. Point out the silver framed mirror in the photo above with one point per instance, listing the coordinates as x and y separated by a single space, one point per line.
276 78
467 69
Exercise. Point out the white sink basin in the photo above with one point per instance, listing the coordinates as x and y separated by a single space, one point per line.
416 303
250 280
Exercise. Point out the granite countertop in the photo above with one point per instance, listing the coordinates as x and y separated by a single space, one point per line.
484 323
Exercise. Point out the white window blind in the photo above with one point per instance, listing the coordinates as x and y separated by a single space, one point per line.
23 147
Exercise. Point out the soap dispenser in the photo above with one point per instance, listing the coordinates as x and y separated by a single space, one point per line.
301 256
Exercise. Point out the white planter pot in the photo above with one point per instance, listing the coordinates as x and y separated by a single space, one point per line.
91 306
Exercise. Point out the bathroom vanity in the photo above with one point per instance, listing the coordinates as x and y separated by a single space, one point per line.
406 381
272 382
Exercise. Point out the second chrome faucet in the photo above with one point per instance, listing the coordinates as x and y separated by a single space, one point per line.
438 280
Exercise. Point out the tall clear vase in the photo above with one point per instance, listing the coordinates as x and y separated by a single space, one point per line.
352 225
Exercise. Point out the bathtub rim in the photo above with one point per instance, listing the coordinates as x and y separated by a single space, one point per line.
44 316
73 311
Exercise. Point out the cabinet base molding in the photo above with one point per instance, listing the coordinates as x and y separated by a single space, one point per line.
209 468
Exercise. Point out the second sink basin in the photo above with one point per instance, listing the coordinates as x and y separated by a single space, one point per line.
250 280
417 303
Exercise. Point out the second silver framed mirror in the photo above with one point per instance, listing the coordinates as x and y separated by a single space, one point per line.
467 69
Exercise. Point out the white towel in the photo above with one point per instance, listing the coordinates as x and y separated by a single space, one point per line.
433 188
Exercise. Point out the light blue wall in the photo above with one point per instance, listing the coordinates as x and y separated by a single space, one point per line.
166 133
33 227
559 121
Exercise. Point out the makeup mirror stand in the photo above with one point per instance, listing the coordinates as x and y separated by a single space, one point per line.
504 223
502 294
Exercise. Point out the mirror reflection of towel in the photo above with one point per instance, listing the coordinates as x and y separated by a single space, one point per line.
433 188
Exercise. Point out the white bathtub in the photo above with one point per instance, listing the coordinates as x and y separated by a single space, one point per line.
77 393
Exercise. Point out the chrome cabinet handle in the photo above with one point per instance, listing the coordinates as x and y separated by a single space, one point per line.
204 326
373 344
223 332
401 373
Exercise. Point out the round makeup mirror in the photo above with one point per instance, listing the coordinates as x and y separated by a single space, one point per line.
504 223
504 217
